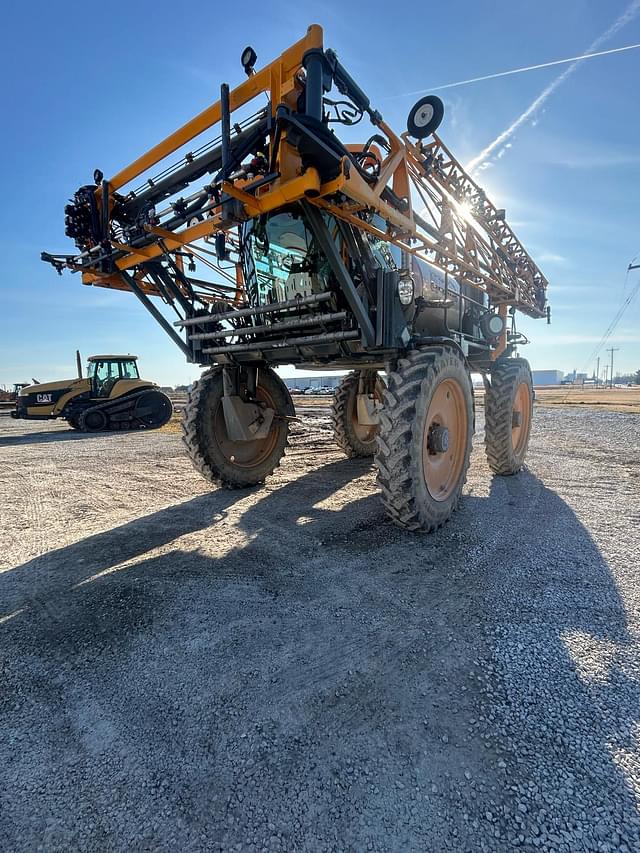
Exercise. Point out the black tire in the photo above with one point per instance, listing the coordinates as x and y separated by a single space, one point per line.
210 449
505 442
425 117
157 408
74 423
404 440
355 440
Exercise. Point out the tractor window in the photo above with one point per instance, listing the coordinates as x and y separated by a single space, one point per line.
129 370
105 370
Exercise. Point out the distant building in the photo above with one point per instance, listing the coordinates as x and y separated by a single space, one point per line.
331 380
547 377
321 381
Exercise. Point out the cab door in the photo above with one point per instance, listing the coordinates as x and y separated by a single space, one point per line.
105 376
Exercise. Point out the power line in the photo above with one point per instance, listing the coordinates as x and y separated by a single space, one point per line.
611 328
618 316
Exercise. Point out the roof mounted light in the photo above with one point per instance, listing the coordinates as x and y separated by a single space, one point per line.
248 59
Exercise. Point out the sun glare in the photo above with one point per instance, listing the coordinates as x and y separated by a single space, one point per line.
465 211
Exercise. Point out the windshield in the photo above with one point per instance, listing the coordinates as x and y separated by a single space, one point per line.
284 263
388 255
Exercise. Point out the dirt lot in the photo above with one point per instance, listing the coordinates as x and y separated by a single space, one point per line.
282 669
612 399
606 399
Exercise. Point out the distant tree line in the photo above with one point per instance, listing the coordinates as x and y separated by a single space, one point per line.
626 378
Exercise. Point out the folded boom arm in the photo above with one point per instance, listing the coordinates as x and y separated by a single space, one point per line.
408 193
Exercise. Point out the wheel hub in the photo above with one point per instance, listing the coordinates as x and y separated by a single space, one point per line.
438 439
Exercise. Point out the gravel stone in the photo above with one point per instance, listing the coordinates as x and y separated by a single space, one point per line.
282 669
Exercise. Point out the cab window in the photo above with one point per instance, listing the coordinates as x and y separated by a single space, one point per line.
129 370
105 370
106 376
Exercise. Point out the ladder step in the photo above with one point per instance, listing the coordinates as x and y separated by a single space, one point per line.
261 309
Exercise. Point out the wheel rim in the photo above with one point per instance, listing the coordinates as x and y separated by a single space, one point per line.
365 433
245 454
444 443
424 115
521 418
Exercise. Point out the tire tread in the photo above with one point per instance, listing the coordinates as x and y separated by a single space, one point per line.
397 476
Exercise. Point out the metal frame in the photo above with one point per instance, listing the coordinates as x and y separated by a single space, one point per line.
458 229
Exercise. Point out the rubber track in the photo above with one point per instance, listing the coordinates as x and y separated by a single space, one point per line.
498 414
393 459
117 404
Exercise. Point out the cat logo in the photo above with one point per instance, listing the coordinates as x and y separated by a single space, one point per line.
43 398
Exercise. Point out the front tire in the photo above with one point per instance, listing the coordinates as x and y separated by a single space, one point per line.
424 443
352 437
220 460
508 413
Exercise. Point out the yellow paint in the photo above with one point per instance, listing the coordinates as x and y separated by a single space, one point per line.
80 386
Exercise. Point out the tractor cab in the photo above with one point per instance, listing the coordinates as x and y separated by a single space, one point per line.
105 370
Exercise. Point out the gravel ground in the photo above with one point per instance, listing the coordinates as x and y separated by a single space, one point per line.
282 669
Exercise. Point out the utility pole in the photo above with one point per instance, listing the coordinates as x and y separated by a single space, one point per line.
612 350
606 375
598 373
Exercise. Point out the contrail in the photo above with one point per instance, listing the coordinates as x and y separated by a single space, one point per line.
627 16
521 70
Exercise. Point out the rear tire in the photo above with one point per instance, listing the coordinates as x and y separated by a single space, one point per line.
424 442
508 413
234 464
353 438
74 423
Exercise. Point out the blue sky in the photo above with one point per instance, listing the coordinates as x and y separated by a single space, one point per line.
89 85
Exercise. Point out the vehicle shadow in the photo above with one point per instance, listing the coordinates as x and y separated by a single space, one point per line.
47 436
53 574
310 642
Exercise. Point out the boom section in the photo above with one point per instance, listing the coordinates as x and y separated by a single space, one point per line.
263 230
